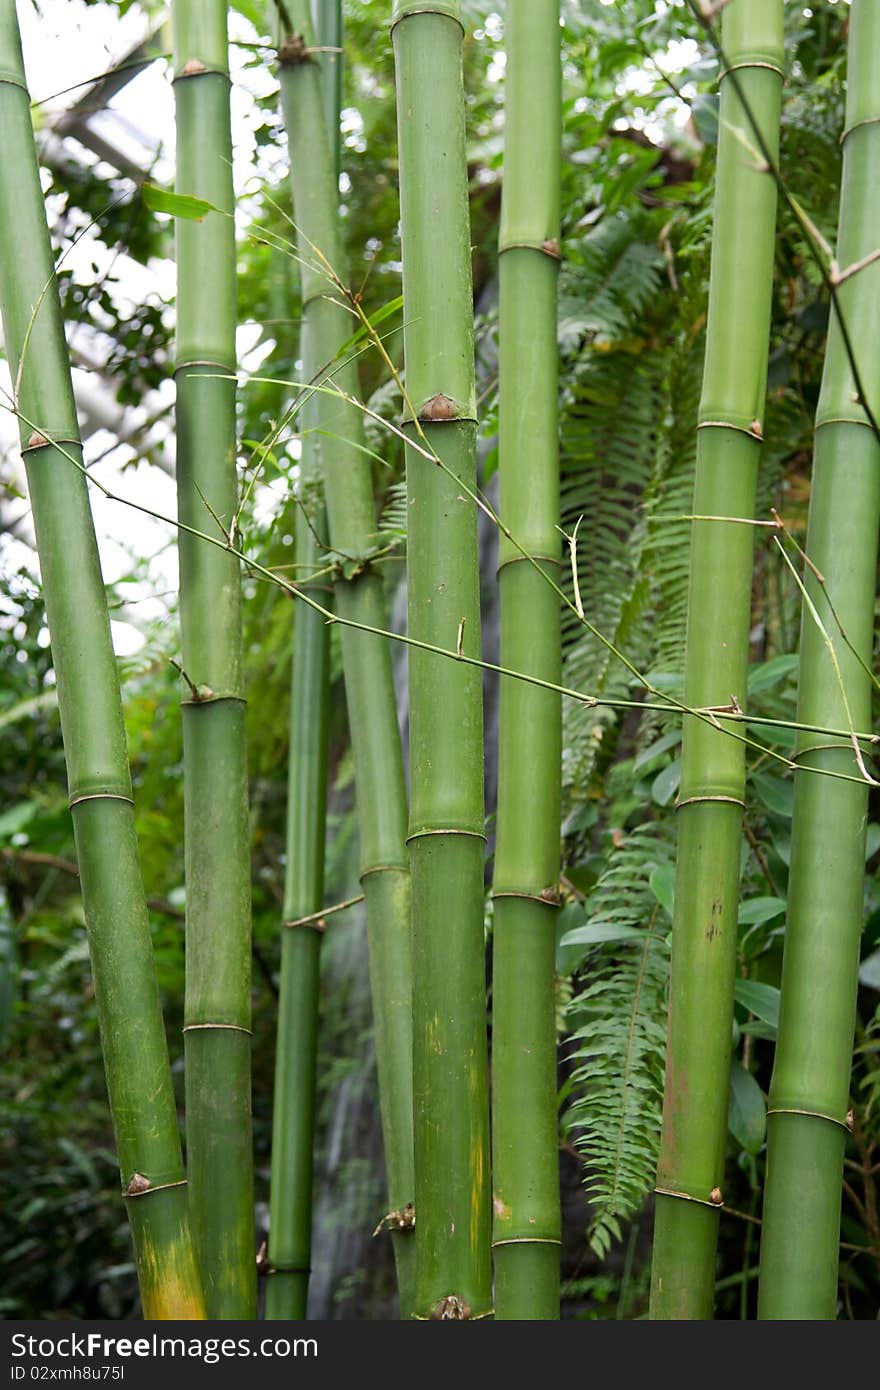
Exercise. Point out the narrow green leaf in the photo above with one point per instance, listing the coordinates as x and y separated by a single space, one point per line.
176 204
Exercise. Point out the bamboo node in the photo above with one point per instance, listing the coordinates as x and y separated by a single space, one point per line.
294 50
222 1027
141 1186
699 800
194 68
810 1114
439 407
715 1200
452 1307
550 247
402 1220
36 441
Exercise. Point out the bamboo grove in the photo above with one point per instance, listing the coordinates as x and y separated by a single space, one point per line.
553 369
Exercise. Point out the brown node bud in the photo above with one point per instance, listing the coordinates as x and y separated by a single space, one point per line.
405 1219
550 247
715 1197
137 1185
549 895
194 68
37 440
452 1307
850 1119
757 429
439 407
293 50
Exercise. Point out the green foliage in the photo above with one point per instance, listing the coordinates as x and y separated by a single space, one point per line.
618 1031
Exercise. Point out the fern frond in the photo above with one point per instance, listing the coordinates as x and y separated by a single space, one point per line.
619 1020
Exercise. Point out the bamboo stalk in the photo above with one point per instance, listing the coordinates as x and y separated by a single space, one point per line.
129 1014
809 1092
525 1180
360 598
453 1274
293 1116
690 1170
217 840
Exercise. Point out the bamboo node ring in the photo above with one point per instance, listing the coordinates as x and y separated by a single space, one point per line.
526 1240
754 429
222 1027
750 63
846 1124
857 125
698 800
99 796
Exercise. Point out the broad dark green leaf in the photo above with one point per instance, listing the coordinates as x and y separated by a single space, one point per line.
747 1110
596 933
769 673
760 999
757 910
777 795
662 885
667 783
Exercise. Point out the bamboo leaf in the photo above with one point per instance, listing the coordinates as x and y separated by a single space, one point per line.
176 204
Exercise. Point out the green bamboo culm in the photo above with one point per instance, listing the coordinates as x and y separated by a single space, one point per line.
525 1175
450 1069
129 1012
809 1091
216 836
359 596
293 1114
710 806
